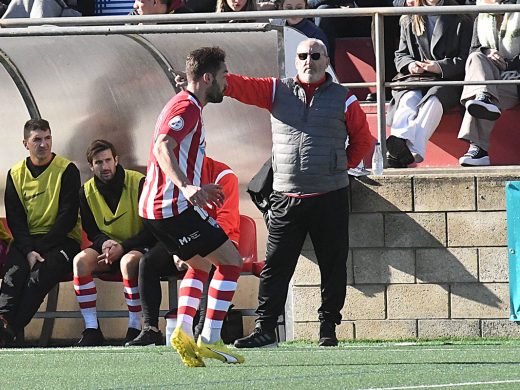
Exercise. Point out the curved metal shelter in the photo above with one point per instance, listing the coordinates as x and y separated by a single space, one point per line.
114 86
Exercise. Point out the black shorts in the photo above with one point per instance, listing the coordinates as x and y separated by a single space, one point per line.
188 234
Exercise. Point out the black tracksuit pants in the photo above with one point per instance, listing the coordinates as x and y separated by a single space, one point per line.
325 219
23 289
154 265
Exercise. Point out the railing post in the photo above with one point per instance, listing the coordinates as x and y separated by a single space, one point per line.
380 81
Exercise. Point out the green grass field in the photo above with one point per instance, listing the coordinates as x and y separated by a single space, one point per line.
428 365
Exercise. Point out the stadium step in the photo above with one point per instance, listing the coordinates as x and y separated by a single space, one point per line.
444 148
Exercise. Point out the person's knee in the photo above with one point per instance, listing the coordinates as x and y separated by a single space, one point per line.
130 263
476 56
84 262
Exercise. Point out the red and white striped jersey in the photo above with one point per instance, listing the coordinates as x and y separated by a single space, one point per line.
181 119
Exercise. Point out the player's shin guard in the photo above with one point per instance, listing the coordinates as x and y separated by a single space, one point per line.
86 295
190 292
133 301
220 293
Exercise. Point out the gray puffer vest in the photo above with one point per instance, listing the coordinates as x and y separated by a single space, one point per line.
309 140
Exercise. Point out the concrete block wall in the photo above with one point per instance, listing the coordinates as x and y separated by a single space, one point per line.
428 259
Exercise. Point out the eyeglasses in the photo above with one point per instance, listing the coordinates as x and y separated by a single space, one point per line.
314 56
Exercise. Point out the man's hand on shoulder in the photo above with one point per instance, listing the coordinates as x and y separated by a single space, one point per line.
33 258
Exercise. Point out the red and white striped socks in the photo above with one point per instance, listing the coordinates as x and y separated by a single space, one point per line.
220 294
86 295
190 292
133 301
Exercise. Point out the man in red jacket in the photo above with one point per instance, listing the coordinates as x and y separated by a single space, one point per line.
312 117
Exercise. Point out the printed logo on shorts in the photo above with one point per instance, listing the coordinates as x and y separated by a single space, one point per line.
176 123
186 239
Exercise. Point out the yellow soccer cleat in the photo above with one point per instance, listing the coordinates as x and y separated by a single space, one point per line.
186 347
218 351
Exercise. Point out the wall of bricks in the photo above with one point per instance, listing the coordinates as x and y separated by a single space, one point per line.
428 259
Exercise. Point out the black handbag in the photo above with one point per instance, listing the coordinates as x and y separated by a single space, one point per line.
261 186
426 76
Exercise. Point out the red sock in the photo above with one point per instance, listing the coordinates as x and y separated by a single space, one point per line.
190 292
133 301
220 294
86 295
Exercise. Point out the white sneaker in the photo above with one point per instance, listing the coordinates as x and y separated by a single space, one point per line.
475 156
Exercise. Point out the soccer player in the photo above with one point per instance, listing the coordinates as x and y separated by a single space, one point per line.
41 204
108 207
158 263
172 206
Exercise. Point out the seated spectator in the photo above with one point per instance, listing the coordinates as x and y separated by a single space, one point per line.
151 7
41 204
108 206
158 262
305 26
438 45
3 8
5 239
201 5
236 6
495 55
40 9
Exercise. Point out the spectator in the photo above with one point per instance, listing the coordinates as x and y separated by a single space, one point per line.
201 5
171 206
495 55
305 26
108 206
437 45
151 7
40 9
236 6
3 8
41 203
311 117
158 262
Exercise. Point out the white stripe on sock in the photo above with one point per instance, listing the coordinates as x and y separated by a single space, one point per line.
223 285
194 283
85 286
86 298
216 304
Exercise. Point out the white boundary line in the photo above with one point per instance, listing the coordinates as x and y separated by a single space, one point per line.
444 385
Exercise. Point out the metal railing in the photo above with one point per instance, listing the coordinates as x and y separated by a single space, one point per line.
171 23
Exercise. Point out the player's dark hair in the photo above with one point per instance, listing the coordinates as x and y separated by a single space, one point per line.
204 60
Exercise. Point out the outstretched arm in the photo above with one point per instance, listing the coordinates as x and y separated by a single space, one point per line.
252 90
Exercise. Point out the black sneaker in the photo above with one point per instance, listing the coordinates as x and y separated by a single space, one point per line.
328 334
131 334
475 157
91 338
147 336
259 338
482 107
398 150
394 163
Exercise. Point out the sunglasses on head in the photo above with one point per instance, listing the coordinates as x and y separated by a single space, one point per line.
314 56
